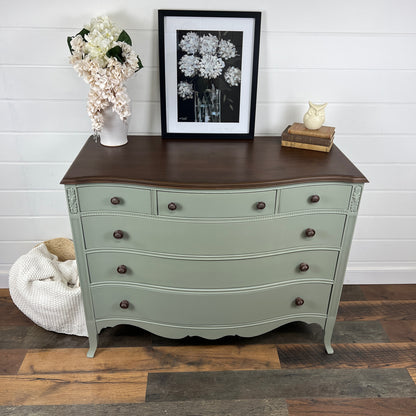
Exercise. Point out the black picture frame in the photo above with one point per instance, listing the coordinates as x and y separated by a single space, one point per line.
208 73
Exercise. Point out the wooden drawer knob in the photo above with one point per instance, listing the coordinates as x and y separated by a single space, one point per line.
114 200
172 206
303 267
315 198
261 205
299 301
124 304
122 269
118 234
310 232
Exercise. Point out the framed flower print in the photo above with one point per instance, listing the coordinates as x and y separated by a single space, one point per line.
208 73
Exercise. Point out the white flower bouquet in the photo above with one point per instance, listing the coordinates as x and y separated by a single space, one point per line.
102 54
209 63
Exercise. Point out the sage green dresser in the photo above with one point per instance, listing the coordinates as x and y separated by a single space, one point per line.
211 238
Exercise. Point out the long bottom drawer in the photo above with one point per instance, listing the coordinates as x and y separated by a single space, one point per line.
194 308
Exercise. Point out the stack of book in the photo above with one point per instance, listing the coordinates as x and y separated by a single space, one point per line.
297 135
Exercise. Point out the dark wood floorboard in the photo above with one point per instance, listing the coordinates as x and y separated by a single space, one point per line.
357 332
284 372
256 407
353 407
352 292
391 355
309 383
400 331
394 310
389 292
10 315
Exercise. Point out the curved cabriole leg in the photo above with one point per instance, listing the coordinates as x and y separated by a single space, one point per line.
329 327
328 345
91 351
93 340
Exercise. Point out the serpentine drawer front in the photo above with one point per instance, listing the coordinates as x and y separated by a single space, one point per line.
215 238
114 198
216 205
211 238
193 309
314 197
202 273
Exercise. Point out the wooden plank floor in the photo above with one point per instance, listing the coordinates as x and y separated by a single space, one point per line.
284 372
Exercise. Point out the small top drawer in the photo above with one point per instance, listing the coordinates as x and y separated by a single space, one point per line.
218 205
114 198
313 197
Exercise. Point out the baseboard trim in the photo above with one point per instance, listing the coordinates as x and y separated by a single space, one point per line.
381 275
4 279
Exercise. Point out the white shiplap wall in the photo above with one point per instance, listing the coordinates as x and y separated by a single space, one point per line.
360 56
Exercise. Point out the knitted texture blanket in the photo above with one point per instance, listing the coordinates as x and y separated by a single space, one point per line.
47 291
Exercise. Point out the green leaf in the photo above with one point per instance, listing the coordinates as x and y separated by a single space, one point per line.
117 53
139 63
83 32
124 37
68 41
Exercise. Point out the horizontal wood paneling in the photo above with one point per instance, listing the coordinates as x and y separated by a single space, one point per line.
32 176
389 177
281 85
295 50
380 148
38 228
33 203
388 203
57 52
271 118
11 250
336 51
385 228
382 250
41 147
357 16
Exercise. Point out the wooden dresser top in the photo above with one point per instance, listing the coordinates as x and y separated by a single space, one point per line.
208 164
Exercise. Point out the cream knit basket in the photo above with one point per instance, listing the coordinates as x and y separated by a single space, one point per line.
44 285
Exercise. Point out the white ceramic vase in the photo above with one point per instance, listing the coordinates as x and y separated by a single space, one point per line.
114 131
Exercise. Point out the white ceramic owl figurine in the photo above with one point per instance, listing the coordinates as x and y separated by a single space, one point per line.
315 116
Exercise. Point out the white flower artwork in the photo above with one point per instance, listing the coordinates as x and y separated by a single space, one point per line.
209 75
185 90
